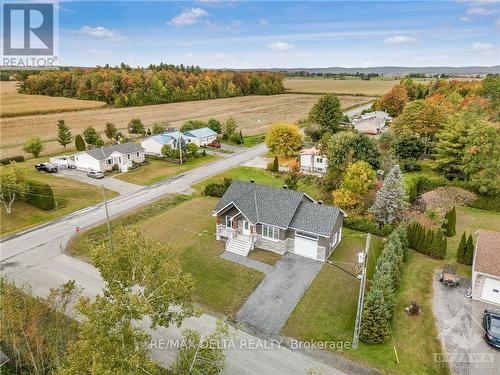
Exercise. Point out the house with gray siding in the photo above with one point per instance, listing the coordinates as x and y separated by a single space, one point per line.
252 216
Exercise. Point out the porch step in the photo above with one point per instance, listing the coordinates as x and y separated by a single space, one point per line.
239 246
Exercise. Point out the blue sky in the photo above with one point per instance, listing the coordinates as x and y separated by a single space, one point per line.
258 34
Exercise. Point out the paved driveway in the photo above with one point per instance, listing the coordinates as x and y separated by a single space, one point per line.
110 183
459 322
269 306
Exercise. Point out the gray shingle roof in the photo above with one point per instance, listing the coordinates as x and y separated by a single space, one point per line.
103 153
315 218
279 207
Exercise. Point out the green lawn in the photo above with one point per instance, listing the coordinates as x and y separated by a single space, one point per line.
70 196
327 311
159 170
221 286
264 256
260 176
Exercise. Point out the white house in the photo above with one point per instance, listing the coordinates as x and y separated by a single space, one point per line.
372 125
379 114
153 145
311 160
104 158
486 267
200 137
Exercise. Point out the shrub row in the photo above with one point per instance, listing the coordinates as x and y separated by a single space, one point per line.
378 307
367 225
420 184
216 189
17 159
427 241
41 195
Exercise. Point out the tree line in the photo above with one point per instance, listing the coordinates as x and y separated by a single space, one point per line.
126 87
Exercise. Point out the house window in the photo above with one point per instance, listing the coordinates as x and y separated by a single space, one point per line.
128 156
119 160
270 232
228 221
110 161
138 154
319 160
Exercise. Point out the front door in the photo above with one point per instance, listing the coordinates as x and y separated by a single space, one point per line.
245 229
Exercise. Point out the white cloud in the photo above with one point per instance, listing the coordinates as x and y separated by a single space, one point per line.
101 33
264 22
188 17
464 19
281 46
479 11
482 46
400 39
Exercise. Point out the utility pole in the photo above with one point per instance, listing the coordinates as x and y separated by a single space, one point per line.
180 147
258 122
107 218
361 296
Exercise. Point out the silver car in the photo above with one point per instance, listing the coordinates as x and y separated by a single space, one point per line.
95 174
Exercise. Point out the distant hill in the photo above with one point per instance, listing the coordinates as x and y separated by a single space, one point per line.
400 70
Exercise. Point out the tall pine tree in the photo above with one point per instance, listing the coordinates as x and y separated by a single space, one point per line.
469 250
390 202
375 321
63 134
461 249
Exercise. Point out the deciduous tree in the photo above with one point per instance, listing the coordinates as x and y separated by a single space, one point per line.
13 186
135 126
393 101
284 138
358 180
215 125
229 128
111 131
158 128
33 146
327 112
90 135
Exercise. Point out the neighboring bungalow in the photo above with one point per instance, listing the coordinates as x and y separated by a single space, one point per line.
373 125
486 267
379 114
153 145
200 137
311 160
280 220
104 158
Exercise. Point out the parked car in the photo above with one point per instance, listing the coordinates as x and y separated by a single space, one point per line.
491 326
214 144
46 167
95 174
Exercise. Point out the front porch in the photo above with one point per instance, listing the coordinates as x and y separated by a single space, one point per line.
240 234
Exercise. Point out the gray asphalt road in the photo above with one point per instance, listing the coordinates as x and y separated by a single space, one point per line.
272 302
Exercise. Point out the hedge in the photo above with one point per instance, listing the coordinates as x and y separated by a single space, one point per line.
420 184
17 159
427 241
215 189
362 224
41 195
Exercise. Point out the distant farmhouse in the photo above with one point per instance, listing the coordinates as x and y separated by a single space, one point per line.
200 137
311 160
372 123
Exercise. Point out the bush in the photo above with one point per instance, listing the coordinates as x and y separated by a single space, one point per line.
363 224
236 138
79 143
41 195
215 189
421 184
17 159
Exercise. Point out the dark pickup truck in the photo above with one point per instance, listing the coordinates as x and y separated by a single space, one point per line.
47 167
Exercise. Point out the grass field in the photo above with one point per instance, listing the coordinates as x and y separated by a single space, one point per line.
339 86
327 312
245 110
15 104
70 196
187 224
159 170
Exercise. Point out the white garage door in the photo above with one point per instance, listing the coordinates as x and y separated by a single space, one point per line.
306 245
491 291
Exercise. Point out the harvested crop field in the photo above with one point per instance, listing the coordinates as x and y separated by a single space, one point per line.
14 104
245 110
339 86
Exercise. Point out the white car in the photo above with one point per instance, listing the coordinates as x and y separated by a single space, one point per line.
95 174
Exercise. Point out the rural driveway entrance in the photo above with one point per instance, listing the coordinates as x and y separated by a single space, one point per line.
271 303
110 183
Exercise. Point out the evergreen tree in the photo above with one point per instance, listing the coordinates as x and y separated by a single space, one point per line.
63 134
469 251
79 143
461 249
375 322
385 284
276 165
449 222
390 202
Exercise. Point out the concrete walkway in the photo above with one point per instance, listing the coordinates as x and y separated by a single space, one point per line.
267 309
240 259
